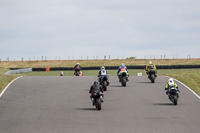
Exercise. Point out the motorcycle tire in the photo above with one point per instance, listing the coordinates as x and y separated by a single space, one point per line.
175 100
104 85
123 81
152 78
98 104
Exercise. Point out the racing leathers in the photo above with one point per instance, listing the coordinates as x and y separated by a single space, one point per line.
96 88
170 84
151 66
120 70
77 68
102 73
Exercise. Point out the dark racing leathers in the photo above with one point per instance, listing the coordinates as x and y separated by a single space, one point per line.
77 68
96 88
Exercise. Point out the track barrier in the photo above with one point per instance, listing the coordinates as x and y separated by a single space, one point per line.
116 67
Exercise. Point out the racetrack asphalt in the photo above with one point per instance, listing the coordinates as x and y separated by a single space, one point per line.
62 105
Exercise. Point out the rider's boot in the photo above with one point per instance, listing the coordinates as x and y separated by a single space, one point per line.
101 98
127 79
93 102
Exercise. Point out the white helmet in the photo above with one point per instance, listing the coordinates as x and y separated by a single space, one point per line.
77 63
171 82
102 68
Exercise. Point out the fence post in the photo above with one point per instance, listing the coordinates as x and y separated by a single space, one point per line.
7 59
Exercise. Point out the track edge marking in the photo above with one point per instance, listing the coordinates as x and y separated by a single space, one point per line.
9 85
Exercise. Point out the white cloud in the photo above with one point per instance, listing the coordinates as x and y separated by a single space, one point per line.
98 28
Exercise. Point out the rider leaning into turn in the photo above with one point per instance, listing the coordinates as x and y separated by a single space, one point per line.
102 72
149 66
122 68
170 84
96 88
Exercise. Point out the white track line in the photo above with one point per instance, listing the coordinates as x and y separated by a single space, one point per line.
186 87
9 85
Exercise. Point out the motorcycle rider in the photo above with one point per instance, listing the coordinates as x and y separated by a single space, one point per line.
77 68
149 66
122 68
96 88
170 84
102 72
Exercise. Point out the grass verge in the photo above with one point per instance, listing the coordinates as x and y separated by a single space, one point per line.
6 79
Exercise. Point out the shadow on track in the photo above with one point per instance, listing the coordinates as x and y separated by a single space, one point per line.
115 85
163 104
87 109
144 82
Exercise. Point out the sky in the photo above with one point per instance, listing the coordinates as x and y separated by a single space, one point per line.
90 29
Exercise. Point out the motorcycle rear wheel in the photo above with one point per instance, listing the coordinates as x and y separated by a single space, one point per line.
152 78
123 81
104 85
175 100
98 104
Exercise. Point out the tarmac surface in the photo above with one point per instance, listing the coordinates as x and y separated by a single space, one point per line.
62 105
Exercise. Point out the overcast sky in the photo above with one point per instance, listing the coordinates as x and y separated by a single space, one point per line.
119 28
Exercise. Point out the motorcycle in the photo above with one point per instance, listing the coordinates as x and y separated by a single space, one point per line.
152 75
97 96
78 73
103 80
123 78
173 95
